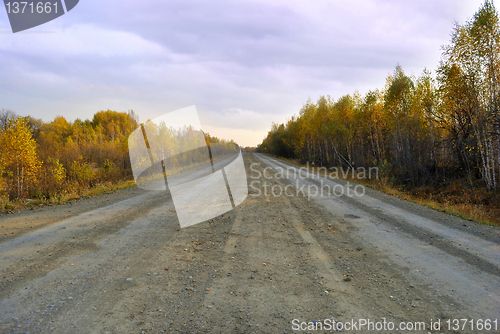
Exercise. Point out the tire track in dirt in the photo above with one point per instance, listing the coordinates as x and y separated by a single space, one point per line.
467 278
253 269
36 254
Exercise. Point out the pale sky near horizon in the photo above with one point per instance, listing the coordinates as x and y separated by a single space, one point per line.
244 64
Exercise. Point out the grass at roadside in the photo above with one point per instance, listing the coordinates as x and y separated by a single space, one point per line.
472 204
453 199
11 205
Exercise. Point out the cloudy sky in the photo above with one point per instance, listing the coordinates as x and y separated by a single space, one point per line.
244 64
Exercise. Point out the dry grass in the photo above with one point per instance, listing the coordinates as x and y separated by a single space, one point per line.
11 205
454 199
97 190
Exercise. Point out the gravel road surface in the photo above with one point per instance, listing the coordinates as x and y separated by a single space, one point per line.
120 263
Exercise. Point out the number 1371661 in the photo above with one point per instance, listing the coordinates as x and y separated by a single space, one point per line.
31 7
471 324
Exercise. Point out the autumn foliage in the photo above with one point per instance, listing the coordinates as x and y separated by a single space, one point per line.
419 131
40 160
43 160
19 157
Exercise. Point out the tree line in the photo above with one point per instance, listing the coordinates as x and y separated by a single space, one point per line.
430 129
47 159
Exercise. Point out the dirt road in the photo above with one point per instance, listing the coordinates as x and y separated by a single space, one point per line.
119 263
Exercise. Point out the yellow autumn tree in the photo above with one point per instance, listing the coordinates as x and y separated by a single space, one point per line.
2 178
19 158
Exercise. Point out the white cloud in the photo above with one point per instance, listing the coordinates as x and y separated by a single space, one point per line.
242 63
81 40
